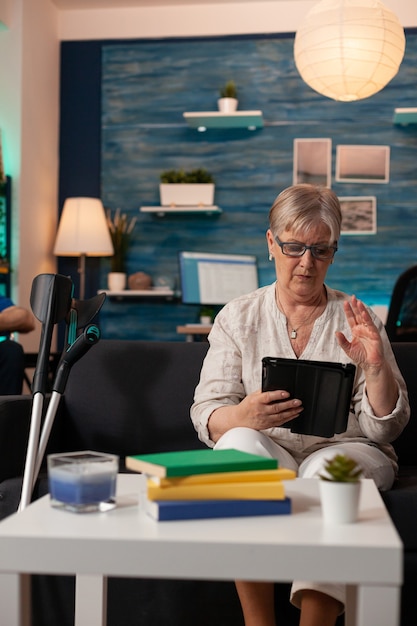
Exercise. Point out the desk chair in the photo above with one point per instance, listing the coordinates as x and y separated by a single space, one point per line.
401 322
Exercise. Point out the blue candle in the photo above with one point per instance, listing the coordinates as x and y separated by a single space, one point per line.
82 479
81 488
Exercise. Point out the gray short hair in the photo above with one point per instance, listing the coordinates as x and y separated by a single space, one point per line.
299 207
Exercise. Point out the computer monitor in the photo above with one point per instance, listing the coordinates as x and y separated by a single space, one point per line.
215 279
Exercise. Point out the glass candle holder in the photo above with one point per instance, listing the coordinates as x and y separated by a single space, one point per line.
83 482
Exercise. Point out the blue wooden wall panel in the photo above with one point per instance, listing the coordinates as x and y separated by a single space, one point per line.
146 87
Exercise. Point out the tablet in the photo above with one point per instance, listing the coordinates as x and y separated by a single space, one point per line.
324 388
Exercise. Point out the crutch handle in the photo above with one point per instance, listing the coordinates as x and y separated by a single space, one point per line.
81 345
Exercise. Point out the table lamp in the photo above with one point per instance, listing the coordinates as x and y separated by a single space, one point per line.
82 232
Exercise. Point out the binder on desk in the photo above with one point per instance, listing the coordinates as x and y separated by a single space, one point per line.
324 388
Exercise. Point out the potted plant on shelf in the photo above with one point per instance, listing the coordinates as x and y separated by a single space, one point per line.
228 101
181 188
340 489
206 314
121 228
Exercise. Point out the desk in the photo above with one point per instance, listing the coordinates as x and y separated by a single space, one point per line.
367 556
193 330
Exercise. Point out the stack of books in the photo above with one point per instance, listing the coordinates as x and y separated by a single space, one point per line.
197 484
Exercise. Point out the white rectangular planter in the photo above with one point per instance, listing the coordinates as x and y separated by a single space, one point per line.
187 194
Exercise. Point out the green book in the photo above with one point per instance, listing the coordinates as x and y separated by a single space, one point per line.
205 461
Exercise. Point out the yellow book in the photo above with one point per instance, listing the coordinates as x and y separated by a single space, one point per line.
261 490
226 477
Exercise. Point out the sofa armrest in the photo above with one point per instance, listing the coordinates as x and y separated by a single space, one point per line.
15 413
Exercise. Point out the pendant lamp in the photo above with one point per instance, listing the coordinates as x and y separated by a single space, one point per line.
349 49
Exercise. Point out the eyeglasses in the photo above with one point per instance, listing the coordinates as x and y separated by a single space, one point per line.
320 252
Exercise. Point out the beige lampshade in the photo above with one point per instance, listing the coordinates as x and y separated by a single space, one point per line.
83 229
349 49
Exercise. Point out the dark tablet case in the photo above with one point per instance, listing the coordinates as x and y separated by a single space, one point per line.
324 388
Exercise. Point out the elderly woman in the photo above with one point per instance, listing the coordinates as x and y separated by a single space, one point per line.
300 317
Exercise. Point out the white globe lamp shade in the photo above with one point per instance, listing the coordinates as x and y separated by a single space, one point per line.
349 49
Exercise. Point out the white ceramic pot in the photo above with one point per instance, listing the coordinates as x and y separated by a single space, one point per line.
186 194
227 105
116 281
339 501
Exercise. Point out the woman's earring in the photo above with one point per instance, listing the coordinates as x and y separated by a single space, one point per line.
270 256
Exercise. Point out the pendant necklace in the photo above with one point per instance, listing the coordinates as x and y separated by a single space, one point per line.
294 331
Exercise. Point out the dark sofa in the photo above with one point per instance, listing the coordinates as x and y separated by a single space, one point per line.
131 397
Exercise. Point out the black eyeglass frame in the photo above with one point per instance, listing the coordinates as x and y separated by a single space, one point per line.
304 248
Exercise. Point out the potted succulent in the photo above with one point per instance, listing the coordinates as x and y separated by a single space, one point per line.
228 101
121 228
206 314
182 188
340 490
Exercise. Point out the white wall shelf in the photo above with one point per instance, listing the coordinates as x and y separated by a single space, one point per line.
165 210
405 116
154 292
203 120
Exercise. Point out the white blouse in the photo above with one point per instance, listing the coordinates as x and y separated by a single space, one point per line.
252 327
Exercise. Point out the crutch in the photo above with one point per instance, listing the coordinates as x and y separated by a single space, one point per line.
50 300
81 345
76 345
79 313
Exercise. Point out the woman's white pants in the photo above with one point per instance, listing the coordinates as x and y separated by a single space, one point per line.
373 462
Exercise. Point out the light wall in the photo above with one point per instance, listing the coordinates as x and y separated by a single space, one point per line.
182 20
29 98
29 119
6 13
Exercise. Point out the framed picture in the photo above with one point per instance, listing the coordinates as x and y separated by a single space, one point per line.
358 215
312 161
362 164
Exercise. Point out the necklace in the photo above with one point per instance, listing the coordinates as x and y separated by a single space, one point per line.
294 331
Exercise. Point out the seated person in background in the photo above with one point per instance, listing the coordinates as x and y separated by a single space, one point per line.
12 319
299 316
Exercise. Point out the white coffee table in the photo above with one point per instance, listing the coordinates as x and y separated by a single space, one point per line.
367 556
